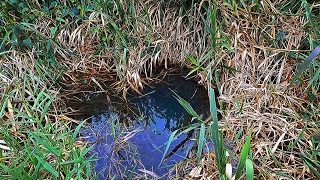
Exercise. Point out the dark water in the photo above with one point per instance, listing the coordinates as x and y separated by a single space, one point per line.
130 138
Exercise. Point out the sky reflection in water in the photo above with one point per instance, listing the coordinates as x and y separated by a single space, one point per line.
162 114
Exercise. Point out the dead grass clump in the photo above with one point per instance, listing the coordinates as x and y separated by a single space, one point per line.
268 105
155 37
257 96
254 59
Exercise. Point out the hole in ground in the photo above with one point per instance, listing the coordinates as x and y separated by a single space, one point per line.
130 137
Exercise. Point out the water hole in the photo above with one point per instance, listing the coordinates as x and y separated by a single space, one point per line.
130 137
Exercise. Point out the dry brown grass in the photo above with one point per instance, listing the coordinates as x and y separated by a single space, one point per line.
269 105
261 83
167 38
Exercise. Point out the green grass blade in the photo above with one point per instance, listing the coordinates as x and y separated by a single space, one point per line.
45 144
230 68
189 128
71 173
70 162
76 131
313 165
213 110
217 79
213 28
6 168
314 79
201 142
46 107
193 60
187 106
125 57
249 170
47 166
274 158
217 138
3 106
238 135
192 71
243 157
171 139
36 102
85 151
22 166
4 52
306 63
301 135
207 56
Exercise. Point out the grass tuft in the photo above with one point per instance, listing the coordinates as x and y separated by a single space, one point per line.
248 50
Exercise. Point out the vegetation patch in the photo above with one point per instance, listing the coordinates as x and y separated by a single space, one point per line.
259 56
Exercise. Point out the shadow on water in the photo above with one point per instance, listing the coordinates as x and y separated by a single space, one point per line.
130 137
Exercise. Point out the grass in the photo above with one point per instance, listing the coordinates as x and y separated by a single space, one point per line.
252 52
41 144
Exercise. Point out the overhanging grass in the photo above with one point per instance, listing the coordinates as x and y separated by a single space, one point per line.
253 48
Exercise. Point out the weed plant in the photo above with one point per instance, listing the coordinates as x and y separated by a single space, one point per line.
261 56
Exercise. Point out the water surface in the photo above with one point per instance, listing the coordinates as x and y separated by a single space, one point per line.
129 138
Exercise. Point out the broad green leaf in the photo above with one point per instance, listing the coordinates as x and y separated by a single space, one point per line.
53 4
53 30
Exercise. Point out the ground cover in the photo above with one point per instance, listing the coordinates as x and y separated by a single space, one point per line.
254 53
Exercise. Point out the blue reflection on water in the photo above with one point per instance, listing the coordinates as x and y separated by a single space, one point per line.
144 149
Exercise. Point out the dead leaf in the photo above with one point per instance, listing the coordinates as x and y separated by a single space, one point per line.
196 172
10 109
150 173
